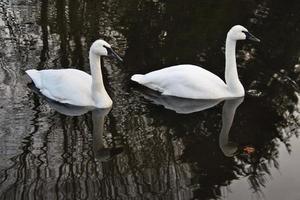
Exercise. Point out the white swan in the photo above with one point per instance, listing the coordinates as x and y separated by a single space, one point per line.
190 81
75 87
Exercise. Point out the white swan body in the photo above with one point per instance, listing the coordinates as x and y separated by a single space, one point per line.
190 81
65 85
186 81
76 87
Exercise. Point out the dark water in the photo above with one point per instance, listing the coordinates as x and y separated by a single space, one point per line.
147 151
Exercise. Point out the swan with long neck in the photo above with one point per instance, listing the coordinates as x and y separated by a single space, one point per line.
194 82
75 87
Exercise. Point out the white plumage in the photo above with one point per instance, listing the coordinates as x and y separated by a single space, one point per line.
64 85
186 81
190 81
75 87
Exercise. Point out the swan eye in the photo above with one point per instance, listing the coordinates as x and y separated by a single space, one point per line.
111 53
249 36
108 49
246 33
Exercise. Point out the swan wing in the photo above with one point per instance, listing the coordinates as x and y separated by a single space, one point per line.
187 81
64 85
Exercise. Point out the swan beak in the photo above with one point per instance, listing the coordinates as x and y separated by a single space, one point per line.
112 53
249 36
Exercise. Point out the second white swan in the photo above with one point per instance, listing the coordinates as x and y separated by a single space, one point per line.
75 87
194 82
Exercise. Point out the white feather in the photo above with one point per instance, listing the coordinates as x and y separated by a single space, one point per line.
73 86
194 82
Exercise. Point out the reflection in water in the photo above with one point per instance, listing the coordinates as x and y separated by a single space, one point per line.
166 155
179 105
187 106
98 117
101 152
74 162
228 112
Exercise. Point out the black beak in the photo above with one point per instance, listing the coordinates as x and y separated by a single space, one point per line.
249 36
112 53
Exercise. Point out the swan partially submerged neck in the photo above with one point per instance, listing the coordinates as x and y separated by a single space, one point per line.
99 94
231 75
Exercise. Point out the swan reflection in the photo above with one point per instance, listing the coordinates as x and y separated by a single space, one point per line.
228 148
187 106
180 105
101 151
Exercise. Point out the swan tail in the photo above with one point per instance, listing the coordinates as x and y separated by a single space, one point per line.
139 78
35 76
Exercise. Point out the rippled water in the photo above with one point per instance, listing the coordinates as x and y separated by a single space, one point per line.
141 150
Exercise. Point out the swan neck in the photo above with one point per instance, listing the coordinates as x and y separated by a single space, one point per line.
100 97
97 79
231 74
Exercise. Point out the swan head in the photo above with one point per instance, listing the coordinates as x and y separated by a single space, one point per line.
239 32
102 48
